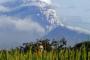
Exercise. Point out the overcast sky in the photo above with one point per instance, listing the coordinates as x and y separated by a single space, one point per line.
71 12
75 13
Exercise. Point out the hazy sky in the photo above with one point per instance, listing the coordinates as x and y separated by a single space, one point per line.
71 12
75 13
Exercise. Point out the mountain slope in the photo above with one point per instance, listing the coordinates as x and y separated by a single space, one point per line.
25 22
38 11
20 23
72 36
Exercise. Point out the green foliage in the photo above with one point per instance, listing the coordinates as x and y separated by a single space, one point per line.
85 43
63 54
60 53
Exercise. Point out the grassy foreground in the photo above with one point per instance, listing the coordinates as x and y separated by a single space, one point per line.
63 54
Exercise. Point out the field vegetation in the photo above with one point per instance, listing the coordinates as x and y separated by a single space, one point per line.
48 50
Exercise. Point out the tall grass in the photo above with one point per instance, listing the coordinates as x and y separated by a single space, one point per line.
62 54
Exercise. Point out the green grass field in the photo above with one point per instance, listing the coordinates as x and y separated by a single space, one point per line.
63 54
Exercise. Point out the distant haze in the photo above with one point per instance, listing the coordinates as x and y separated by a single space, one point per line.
21 22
